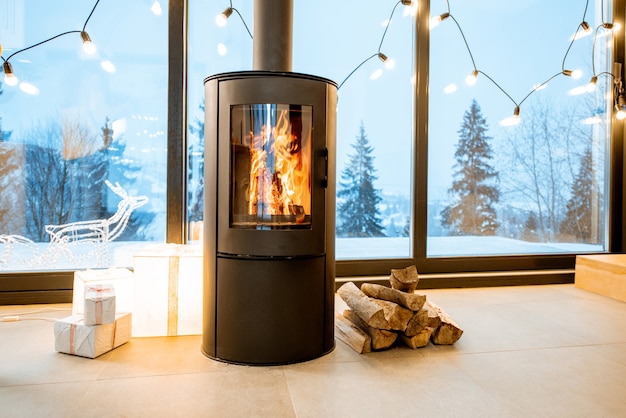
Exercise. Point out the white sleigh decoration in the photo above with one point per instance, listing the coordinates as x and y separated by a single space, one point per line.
89 239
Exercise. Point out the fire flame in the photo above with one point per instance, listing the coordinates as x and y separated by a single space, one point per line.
280 185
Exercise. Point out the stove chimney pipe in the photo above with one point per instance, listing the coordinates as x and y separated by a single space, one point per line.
273 29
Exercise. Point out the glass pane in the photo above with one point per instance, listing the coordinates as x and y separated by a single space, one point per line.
213 48
271 166
517 158
375 109
82 143
374 117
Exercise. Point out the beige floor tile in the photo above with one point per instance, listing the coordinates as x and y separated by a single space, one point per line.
549 351
388 387
158 356
235 391
42 400
561 382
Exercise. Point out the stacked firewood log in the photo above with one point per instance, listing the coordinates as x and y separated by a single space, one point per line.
379 316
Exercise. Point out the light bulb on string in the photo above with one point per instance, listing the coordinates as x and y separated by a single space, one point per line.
9 78
591 86
512 120
411 9
390 64
435 21
620 108
471 79
88 46
575 74
220 20
585 30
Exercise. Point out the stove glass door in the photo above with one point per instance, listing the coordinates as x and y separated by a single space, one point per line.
270 166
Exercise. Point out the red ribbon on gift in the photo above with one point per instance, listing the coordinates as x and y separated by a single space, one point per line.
72 338
99 290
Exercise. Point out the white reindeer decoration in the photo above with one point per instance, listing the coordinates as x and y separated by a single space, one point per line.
98 232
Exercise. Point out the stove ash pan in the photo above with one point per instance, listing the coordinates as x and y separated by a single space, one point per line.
269 217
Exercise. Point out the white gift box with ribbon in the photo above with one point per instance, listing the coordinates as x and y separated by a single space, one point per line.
99 304
72 336
168 292
121 279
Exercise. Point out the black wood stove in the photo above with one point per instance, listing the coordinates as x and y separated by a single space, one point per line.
269 265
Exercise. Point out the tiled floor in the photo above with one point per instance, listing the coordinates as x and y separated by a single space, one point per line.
543 351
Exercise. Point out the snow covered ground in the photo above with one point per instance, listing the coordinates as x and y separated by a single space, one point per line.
21 257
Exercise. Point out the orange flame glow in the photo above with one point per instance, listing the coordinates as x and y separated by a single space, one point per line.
281 186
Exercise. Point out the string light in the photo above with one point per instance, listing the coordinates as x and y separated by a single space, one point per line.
435 21
582 30
222 18
620 108
471 79
88 46
389 63
9 77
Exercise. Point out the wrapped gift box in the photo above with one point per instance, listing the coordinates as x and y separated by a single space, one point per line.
168 290
121 279
72 336
99 304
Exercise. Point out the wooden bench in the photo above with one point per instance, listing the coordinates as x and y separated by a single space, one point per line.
604 274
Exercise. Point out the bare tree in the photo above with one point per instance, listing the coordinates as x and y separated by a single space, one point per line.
11 200
540 158
62 174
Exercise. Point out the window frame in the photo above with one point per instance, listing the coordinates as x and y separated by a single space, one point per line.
488 270
56 286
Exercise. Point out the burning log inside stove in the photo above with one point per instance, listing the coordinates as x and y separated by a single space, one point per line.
388 314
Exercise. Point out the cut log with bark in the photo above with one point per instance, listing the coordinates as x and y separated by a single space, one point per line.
410 301
419 340
397 316
353 336
434 320
378 316
368 310
417 323
404 279
448 332
381 338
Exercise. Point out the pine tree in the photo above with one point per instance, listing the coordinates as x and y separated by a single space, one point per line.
531 227
578 218
474 189
358 214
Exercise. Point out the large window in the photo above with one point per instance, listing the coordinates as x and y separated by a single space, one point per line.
434 171
375 108
534 183
426 172
82 133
